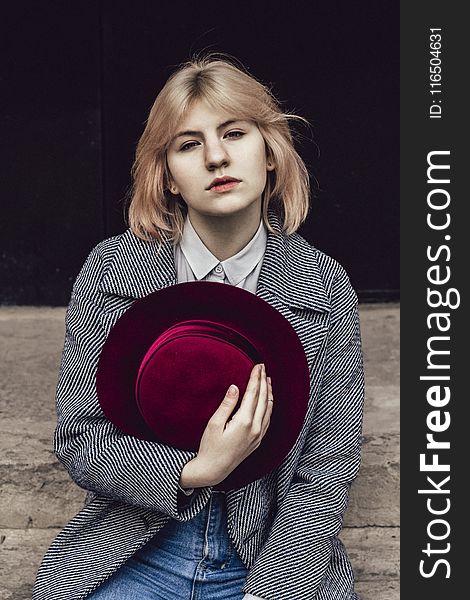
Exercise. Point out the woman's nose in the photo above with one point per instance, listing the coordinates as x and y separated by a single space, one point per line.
216 155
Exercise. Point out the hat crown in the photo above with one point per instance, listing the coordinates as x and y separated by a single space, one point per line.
196 360
197 328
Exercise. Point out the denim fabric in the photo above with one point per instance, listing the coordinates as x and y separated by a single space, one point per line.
194 560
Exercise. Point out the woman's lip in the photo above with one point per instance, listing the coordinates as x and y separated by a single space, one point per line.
224 187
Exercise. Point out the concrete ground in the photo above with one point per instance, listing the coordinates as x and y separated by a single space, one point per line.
37 497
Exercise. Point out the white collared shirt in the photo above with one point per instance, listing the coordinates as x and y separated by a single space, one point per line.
194 261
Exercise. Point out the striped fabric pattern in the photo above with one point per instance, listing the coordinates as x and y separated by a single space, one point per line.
285 525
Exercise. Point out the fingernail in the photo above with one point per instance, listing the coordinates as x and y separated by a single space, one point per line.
232 390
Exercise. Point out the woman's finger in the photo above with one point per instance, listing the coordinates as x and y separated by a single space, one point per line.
262 401
269 409
250 397
225 409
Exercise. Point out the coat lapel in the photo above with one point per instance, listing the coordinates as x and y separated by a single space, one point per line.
139 268
290 273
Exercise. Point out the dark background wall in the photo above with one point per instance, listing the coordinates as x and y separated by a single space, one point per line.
78 80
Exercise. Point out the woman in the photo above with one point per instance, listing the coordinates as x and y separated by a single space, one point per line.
219 193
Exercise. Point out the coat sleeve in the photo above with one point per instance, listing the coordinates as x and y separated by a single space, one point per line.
98 456
296 556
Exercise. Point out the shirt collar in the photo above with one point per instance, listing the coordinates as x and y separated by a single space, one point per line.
236 268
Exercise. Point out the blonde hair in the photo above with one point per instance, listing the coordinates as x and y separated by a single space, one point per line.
156 213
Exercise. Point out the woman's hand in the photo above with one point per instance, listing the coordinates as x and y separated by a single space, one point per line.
226 443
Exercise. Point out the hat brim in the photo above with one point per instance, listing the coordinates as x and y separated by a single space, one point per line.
268 330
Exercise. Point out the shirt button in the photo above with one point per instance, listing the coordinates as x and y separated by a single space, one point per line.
218 269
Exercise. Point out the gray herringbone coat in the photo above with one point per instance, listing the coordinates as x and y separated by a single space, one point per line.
285 525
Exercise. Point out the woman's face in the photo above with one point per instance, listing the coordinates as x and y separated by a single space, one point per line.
212 144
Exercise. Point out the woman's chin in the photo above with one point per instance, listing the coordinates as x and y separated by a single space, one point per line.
228 207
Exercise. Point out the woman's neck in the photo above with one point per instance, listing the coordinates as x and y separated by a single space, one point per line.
225 236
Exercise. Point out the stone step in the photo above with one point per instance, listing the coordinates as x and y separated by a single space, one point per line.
374 552
378 590
375 494
376 580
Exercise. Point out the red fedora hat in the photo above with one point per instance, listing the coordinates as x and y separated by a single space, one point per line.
169 360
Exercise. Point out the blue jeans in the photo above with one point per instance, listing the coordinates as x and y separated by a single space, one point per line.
194 560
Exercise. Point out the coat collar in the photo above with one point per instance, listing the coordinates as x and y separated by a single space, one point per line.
290 272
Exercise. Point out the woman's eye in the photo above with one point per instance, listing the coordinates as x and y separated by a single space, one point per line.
235 133
188 145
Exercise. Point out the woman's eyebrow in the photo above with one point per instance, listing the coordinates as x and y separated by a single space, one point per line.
199 133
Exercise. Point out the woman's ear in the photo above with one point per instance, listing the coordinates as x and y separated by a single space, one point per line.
173 189
171 184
